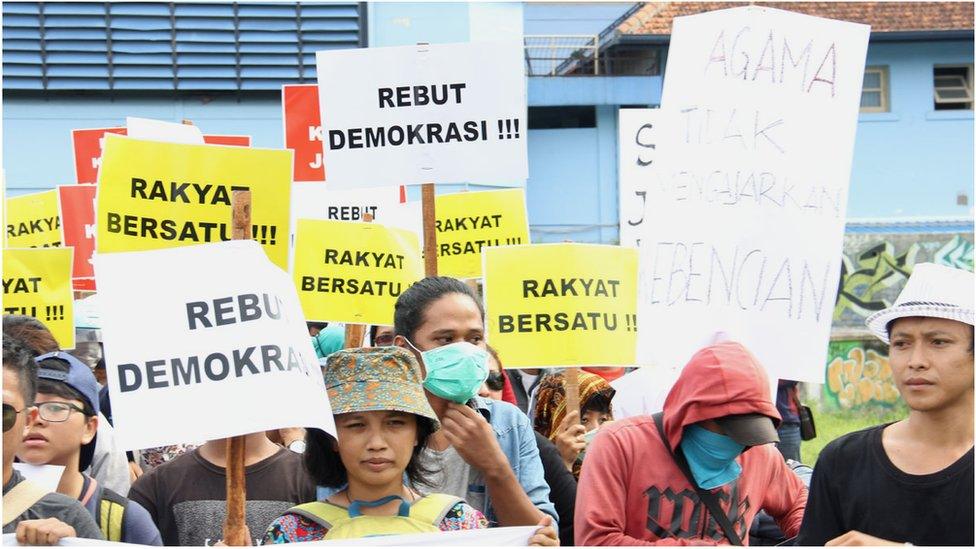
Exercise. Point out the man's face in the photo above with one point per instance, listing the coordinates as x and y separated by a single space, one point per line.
932 362
57 443
13 437
452 318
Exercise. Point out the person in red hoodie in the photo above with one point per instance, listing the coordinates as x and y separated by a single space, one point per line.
720 419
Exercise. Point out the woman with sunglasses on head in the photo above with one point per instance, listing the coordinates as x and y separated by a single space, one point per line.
383 422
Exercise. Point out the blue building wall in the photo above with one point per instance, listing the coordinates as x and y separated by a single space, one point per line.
913 160
909 162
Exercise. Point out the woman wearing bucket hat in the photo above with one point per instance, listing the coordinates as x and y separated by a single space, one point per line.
383 422
910 481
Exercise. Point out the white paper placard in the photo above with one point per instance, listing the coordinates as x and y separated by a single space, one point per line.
744 232
512 536
316 200
45 476
160 130
638 135
10 540
445 113
205 342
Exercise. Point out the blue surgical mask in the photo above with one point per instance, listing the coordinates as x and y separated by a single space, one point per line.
455 372
711 456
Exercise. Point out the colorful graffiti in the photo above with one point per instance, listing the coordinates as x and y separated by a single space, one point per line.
874 271
858 374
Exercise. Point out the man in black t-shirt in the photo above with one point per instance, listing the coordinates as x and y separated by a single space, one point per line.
910 481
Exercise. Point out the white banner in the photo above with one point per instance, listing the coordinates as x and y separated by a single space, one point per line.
10 540
638 136
513 536
205 342
744 232
445 113
319 201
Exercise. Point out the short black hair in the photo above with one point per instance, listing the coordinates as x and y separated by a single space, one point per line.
599 403
408 313
59 389
19 359
31 333
324 465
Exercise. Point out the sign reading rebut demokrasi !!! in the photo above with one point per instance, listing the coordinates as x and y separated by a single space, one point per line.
744 223
445 113
219 344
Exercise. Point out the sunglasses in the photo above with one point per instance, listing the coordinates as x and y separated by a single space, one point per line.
495 381
10 416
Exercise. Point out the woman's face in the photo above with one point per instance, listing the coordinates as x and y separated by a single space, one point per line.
593 419
494 371
449 319
376 446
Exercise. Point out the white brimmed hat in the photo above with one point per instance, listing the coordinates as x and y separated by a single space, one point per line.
932 290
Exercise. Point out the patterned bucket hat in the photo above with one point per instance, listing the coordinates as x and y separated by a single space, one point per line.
376 378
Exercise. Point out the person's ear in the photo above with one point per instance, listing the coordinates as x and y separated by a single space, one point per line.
401 341
91 429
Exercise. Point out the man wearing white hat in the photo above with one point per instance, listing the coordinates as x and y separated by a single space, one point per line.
909 482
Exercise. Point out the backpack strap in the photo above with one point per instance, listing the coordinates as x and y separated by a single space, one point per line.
19 499
432 508
111 515
323 513
707 497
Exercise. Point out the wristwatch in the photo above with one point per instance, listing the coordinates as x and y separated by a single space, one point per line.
297 446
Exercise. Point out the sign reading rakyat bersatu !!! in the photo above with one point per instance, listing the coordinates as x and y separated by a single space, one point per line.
744 223
228 352
550 305
154 195
445 113
33 220
468 222
353 272
37 283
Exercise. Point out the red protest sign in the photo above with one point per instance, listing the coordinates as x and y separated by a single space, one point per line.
235 140
78 223
88 149
88 152
303 130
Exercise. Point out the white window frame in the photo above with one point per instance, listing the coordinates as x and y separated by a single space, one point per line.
882 71
967 86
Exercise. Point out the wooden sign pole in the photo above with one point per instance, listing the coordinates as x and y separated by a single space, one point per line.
356 332
571 386
235 526
430 229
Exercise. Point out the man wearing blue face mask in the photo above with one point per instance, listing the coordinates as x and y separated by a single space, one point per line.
485 451
698 472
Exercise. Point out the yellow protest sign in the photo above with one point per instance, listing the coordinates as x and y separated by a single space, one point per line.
155 195
37 283
353 272
562 304
468 222
33 220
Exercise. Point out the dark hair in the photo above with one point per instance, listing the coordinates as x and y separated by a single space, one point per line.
59 389
19 359
323 463
319 325
31 333
373 328
599 403
408 313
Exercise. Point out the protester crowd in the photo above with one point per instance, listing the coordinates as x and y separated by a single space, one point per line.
434 435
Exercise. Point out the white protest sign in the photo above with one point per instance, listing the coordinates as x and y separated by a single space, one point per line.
10 540
159 130
744 230
445 113
638 135
205 342
315 200
45 476
512 536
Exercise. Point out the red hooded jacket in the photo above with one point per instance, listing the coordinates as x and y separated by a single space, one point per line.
632 493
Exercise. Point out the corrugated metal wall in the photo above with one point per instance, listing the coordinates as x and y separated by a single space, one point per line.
171 46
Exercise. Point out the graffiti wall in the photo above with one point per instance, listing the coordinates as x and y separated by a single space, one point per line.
858 373
875 269
876 266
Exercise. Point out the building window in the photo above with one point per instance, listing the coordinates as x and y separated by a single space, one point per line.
874 91
552 118
953 87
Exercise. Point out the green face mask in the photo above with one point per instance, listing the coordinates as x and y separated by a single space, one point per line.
455 372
